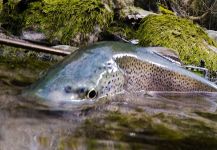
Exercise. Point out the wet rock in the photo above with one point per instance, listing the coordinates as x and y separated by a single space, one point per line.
134 41
86 38
135 13
55 19
212 34
33 36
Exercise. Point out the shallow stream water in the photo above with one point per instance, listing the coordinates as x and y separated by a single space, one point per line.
143 120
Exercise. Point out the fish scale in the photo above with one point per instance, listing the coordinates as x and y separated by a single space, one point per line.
111 83
141 75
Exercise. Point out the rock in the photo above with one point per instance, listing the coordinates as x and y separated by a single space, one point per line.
150 5
119 4
134 41
55 19
33 36
178 34
212 34
135 13
87 38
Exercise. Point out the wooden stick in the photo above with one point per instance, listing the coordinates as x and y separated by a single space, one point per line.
34 47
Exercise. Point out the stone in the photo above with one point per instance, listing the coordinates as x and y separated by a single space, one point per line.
212 34
135 13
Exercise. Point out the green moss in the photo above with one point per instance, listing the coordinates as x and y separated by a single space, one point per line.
10 19
122 29
20 68
188 39
199 73
211 116
44 141
1 5
163 10
64 19
119 126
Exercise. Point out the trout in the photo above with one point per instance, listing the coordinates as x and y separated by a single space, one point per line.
107 68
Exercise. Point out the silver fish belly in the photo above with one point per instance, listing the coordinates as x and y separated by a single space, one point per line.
107 68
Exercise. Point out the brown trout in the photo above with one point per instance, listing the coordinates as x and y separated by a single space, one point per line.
107 68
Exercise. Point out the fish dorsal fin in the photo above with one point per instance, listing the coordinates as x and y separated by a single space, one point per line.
167 53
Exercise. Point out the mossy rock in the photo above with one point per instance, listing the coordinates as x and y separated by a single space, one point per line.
182 35
1 5
19 68
68 19
164 10
10 19
122 29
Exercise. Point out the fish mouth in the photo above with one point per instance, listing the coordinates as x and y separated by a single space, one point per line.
64 103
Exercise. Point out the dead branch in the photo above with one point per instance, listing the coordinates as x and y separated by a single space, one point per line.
34 47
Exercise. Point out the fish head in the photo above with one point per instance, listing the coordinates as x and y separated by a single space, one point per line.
83 77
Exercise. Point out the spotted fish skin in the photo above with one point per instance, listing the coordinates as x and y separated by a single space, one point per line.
141 75
108 68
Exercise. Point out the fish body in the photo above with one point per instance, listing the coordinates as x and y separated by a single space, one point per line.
108 68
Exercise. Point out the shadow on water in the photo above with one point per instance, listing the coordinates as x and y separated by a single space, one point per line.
145 120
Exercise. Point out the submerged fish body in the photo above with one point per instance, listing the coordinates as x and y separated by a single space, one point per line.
107 68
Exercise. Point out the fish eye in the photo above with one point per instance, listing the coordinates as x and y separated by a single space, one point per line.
91 94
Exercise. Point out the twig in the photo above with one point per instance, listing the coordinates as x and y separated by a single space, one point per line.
34 47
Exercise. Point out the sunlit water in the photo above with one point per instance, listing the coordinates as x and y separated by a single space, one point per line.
143 120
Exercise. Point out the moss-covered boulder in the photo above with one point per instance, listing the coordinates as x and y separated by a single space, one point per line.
68 21
164 10
187 38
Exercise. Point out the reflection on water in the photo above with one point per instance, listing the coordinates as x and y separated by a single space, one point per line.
144 120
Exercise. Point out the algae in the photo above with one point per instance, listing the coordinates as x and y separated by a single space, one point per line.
179 34
122 29
1 5
163 130
164 10
21 68
66 19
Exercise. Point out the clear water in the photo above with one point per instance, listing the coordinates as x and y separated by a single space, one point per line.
125 121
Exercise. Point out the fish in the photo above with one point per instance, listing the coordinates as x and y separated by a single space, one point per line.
108 68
